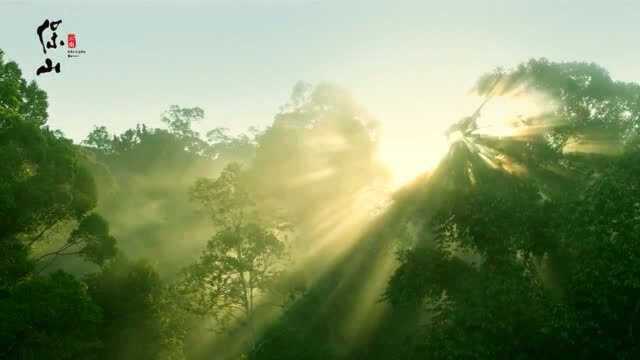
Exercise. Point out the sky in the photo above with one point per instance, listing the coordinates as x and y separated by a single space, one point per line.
410 63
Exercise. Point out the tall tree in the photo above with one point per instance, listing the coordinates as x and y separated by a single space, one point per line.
152 169
535 263
44 189
244 256
132 296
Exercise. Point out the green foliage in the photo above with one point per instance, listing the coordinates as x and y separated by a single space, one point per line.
144 176
242 259
493 263
43 183
227 200
19 98
97 243
100 139
49 317
15 263
44 189
131 295
320 150
180 119
539 266
504 265
236 266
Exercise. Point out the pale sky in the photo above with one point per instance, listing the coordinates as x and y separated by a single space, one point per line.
411 63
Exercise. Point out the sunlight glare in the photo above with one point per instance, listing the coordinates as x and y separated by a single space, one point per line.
503 116
409 157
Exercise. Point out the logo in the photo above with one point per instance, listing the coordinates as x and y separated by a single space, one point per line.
71 41
48 36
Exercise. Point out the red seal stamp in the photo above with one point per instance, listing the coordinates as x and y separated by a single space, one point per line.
71 41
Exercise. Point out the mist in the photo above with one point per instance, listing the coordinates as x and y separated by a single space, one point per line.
511 234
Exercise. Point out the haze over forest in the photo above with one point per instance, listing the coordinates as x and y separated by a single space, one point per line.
518 237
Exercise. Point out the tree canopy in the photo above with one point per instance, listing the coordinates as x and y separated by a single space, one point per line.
522 243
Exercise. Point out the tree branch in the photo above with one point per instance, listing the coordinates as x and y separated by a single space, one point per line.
41 233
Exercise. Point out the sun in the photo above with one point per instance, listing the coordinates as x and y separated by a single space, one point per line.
408 157
413 151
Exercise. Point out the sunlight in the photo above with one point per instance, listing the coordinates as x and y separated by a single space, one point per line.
417 150
409 157
505 116
588 145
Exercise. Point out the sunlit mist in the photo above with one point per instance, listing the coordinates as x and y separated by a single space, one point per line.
517 114
409 157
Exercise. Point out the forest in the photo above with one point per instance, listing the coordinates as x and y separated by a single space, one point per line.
289 243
